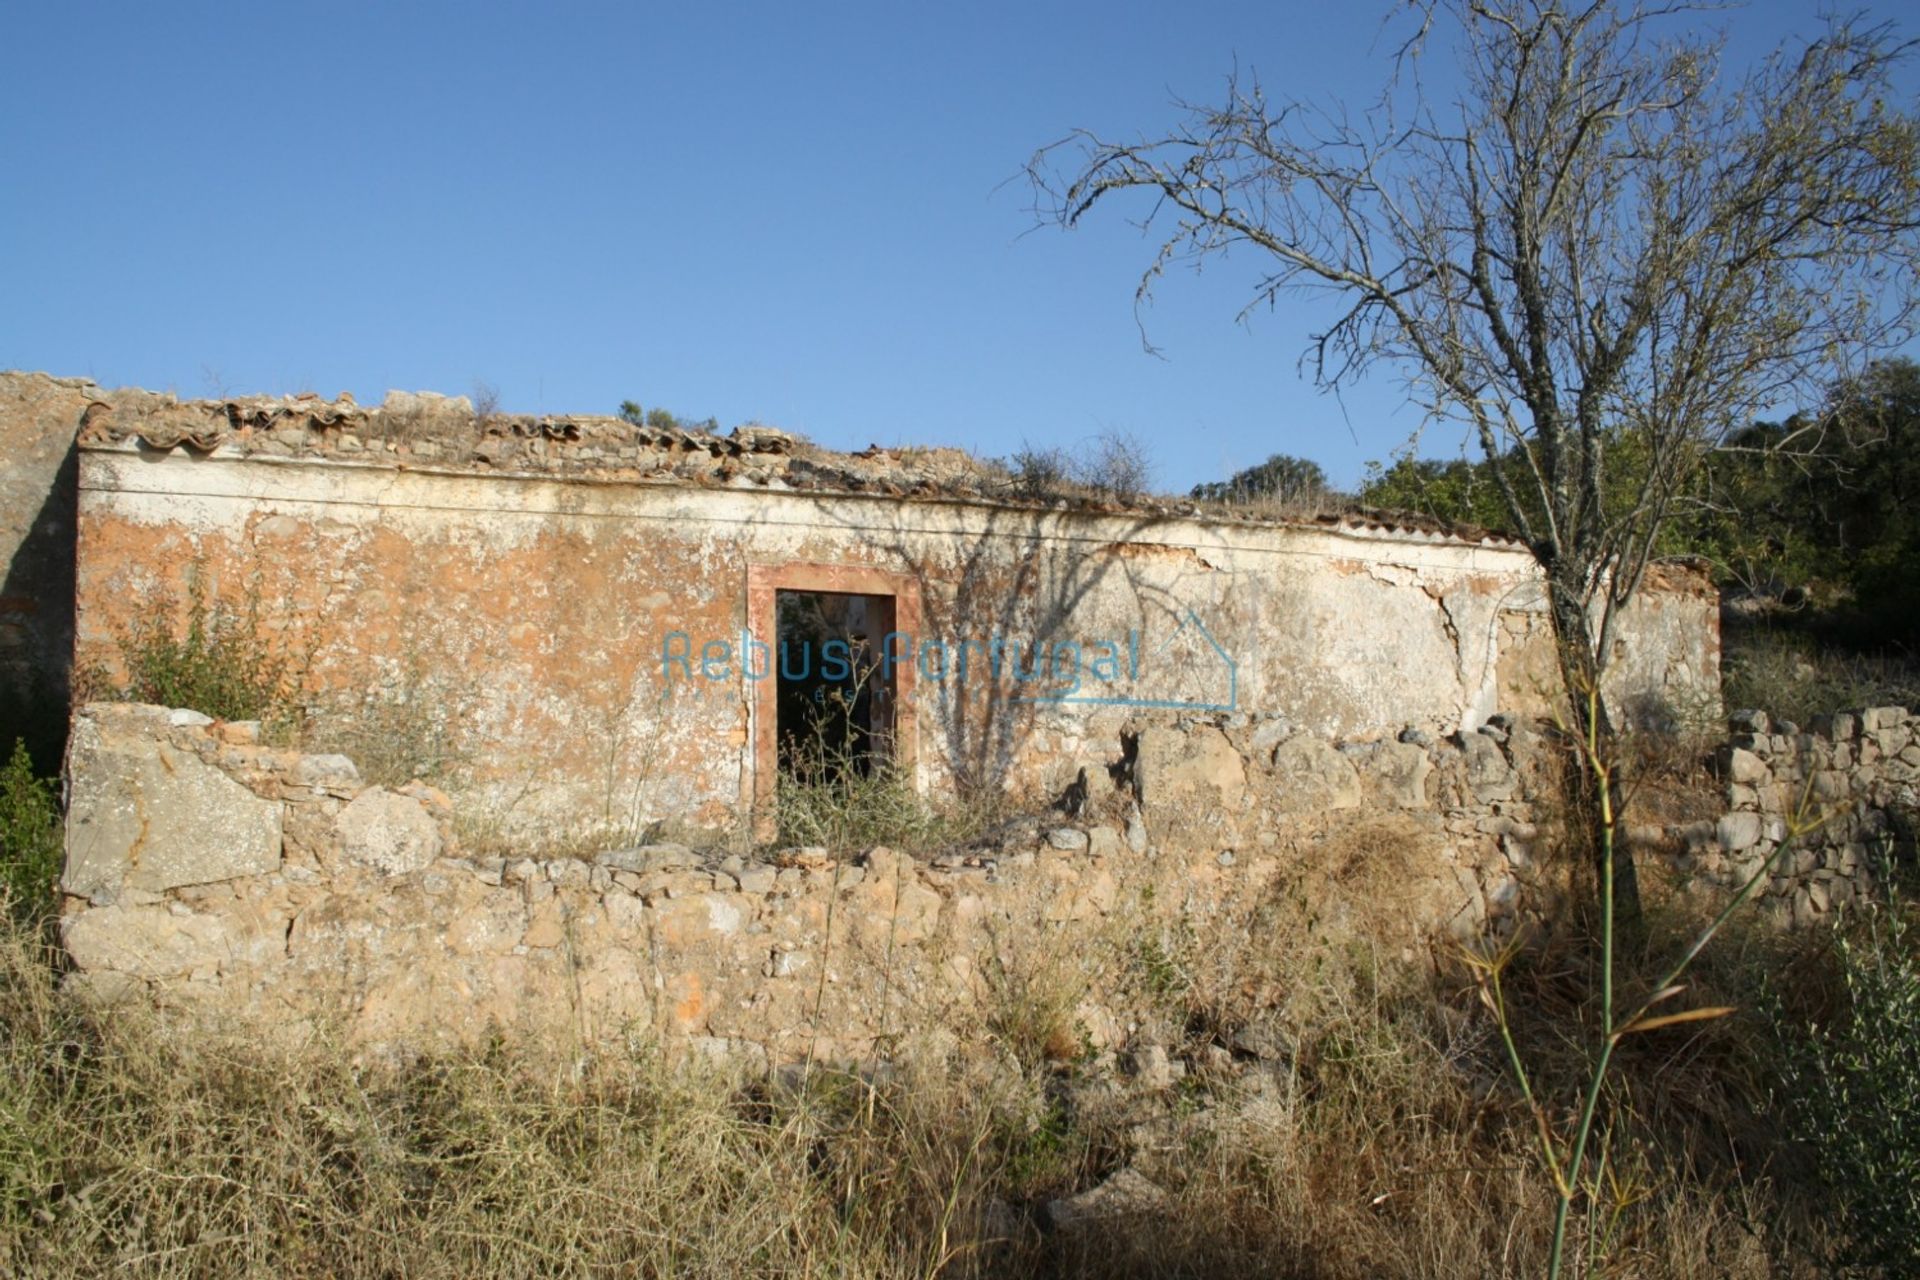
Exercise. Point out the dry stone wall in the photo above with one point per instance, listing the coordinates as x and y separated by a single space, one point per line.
220 875
216 874
1824 810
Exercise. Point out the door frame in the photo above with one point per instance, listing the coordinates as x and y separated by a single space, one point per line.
764 583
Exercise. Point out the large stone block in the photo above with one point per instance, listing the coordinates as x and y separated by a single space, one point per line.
1488 772
147 815
1399 771
150 942
1743 766
1738 831
1312 775
387 832
1197 767
917 910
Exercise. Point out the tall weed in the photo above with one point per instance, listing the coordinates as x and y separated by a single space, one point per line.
831 793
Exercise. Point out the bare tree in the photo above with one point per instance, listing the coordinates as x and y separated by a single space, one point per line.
1596 251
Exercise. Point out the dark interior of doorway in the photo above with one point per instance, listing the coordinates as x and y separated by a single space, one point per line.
835 704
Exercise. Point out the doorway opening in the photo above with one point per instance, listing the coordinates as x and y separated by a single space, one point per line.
835 699
827 603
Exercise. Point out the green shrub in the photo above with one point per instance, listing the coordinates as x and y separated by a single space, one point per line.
1853 1090
1282 478
29 838
665 419
847 808
223 665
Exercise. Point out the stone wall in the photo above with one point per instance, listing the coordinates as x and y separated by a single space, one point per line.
1825 809
38 483
216 874
512 590
1329 713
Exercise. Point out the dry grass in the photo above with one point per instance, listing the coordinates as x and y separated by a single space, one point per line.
446 421
130 1152
1791 677
1379 1140
837 805
410 725
1282 507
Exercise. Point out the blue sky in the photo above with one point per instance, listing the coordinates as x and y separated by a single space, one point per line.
808 215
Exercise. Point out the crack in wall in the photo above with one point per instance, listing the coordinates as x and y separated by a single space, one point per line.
1451 626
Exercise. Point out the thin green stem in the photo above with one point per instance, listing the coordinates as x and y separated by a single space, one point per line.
1545 1135
1567 1177
1570 1182
1587 1110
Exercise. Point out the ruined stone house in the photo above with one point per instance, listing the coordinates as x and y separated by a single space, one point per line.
586 616
587 638
588 621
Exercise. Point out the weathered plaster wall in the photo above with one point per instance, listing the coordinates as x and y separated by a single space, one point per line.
534 610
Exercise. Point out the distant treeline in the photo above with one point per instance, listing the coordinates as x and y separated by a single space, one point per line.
1818 511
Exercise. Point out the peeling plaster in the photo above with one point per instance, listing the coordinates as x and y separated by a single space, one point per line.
549 597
